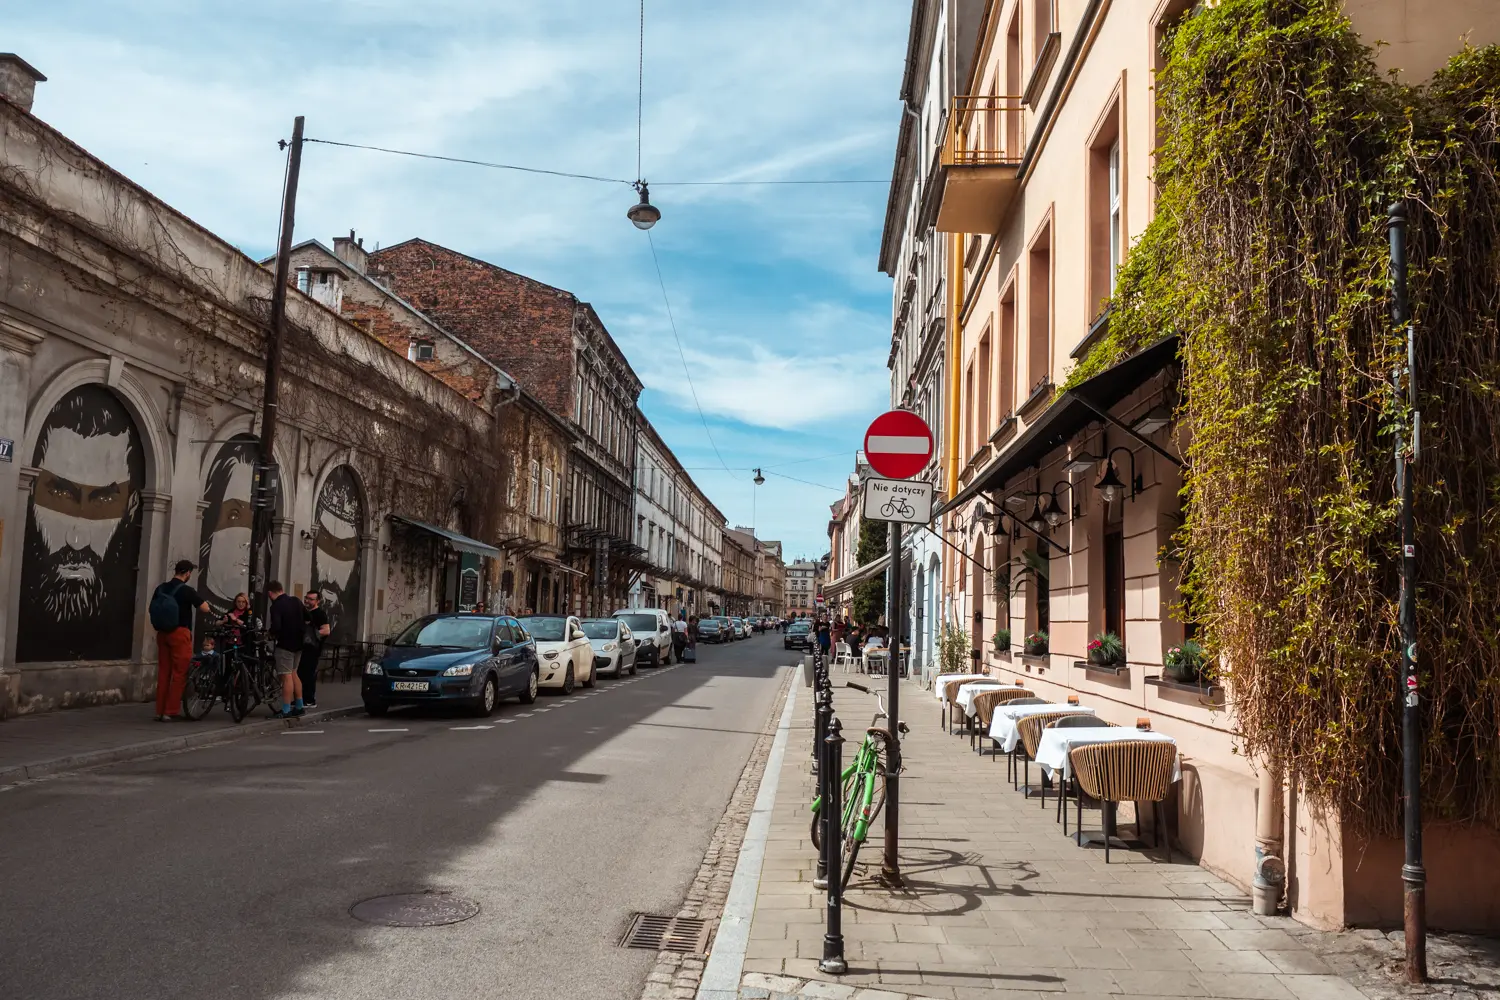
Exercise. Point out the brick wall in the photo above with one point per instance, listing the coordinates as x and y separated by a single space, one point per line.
522 325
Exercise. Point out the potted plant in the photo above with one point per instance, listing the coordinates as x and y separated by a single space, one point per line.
1036 644
1185 662
1106 650
953 649
1002 640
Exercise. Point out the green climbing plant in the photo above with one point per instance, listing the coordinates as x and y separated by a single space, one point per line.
1281 146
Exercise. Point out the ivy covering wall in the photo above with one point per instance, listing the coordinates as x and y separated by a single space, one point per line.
1281 147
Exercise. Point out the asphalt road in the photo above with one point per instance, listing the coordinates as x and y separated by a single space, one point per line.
229 871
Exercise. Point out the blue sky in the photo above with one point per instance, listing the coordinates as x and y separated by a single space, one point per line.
783 316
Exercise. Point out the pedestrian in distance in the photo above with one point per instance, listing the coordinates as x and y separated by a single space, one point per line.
315 631
824 637
287 625
171 612
240 622
679 637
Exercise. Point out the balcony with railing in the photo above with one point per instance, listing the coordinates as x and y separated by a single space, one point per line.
981 163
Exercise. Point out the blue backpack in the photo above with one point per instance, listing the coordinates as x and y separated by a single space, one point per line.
165 613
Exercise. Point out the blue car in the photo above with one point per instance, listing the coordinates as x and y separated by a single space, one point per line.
469 660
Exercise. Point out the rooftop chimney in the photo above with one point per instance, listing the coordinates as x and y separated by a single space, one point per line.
351 251
18 80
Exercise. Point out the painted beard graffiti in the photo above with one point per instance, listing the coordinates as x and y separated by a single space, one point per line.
224 546
78 572
336 555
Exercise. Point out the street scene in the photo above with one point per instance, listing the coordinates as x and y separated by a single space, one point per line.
943 500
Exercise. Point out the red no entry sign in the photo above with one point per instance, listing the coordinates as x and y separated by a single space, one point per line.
898 444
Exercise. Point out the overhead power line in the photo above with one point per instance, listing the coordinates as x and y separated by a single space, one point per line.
577 176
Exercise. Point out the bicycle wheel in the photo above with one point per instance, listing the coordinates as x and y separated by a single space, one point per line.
198 693
239 694
854 820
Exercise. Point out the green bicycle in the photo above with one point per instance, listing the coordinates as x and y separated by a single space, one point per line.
863 783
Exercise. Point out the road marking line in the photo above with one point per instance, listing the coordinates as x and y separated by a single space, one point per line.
390 730
503 721
302 732
523 715
465 728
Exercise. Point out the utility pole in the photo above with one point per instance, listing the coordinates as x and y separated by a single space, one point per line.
1413 874
890 870
267 477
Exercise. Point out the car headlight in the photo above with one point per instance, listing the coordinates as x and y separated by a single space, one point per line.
609 647
550 656
459 670
374 667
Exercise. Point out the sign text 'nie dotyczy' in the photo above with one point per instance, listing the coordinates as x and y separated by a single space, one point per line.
899 500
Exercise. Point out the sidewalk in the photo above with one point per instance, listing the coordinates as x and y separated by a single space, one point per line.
32 746
1000 905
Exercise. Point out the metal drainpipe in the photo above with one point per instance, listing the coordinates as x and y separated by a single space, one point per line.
1270 818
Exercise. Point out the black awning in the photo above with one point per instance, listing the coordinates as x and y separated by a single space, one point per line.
1070 413
461 543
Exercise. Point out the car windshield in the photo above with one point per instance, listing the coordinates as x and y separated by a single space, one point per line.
448 633
709 623
638 623
545 629
601 628
799 627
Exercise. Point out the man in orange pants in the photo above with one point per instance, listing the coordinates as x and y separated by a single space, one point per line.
174 644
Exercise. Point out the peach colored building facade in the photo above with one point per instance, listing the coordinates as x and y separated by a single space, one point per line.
1047 178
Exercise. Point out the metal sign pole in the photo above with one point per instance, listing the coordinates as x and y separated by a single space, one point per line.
890 869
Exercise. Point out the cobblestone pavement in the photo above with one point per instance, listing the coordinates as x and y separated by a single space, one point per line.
1000 905
676 976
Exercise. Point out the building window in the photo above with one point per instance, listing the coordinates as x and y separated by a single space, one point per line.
422 350
1114 582
536 487
1039 310
1007 358
983 417
1105 205
547 494
969 409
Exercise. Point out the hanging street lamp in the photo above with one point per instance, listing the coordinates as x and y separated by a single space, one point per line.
643 214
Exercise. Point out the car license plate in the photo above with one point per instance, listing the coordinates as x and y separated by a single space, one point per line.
408 685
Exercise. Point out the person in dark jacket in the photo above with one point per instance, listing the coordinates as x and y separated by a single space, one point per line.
287 625
314 634
174 647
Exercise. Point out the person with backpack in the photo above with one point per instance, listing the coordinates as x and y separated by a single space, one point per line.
171 612
288 622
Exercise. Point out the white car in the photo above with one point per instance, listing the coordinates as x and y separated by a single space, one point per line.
562 650
613 644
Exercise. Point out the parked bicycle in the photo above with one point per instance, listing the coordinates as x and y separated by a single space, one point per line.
863 783
237 670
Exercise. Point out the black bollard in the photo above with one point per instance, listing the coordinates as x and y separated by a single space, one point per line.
820 750
833 937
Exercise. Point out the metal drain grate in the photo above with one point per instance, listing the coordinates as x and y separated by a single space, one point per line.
688 935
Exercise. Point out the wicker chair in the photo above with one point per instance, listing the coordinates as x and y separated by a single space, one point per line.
984 707
1071 784
948 688
1132 771
1030 730
1010 759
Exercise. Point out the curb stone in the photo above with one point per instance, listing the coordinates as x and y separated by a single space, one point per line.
150 748
675 975
758 986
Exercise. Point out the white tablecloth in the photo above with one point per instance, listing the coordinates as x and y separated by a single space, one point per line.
1052 751
968 692
944 682
1003 724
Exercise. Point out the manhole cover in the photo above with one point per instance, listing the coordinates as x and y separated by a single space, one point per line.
414 909
688 935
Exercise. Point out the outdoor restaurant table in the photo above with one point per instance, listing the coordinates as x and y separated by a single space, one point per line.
1003 726
943 683
1052 751
970 690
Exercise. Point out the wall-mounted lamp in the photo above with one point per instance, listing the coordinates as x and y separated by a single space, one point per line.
1054 512
1109 485
308 537
1155 419
1037 521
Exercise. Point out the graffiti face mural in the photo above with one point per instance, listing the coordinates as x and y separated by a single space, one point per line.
78 571
336 555
224 546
